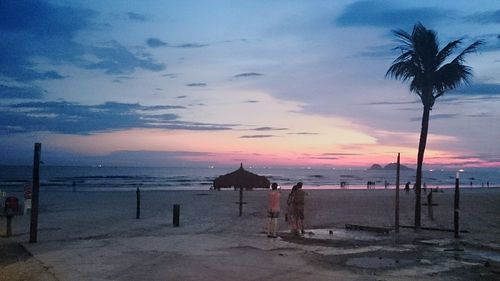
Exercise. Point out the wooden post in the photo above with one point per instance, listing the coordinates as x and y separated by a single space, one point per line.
177 211
241 201
36 187
138 210
9 225
430 205
457 205
396 216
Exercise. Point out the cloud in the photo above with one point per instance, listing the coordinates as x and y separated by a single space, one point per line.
247 74
155 43
169 75
321 158
181 97
378 52
51 31
383 14
490 17
114 58
479 115
73 118
137 17
191 45
256 136
48 29
251 101
154 158
339 154
304 133
392 102
437 116
484 89
491 42
160 107
269 129
196 84
13 92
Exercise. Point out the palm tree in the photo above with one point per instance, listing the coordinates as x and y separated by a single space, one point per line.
431 73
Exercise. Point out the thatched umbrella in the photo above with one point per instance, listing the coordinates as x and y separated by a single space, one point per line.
241 178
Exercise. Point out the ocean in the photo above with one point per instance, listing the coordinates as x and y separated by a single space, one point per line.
61 178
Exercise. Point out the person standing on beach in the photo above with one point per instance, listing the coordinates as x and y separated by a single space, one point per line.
274 211
298 209
289 216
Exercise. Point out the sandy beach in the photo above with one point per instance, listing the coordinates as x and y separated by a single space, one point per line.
95 236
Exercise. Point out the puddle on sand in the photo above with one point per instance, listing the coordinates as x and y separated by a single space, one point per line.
376 262
342 234
482 254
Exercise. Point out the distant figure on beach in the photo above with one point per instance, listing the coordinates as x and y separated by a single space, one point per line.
488 184
298 209
274 211
407 186
471 184
370 185
425 187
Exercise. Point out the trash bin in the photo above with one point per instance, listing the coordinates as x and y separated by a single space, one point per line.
11 206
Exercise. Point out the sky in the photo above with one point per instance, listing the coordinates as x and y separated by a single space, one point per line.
264 83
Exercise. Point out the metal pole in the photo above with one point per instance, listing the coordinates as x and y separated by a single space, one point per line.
396 216
457 204
36 187
138 210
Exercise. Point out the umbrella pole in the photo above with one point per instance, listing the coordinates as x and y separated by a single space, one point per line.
241 201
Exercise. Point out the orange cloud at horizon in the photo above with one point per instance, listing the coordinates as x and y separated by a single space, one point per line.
228 148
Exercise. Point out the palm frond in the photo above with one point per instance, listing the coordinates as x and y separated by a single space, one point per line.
471 49
450 76
403 70
405 56
403 38
447 50
415 87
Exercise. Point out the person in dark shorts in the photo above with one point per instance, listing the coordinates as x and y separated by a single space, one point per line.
274 210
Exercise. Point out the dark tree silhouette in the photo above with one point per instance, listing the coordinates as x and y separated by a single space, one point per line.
431 73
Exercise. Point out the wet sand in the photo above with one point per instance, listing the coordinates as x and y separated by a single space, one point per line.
95 236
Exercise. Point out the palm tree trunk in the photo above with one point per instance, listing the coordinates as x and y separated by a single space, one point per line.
420 160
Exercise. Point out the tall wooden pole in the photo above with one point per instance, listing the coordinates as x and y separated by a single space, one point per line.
36 187
9 225
396 216
457 204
